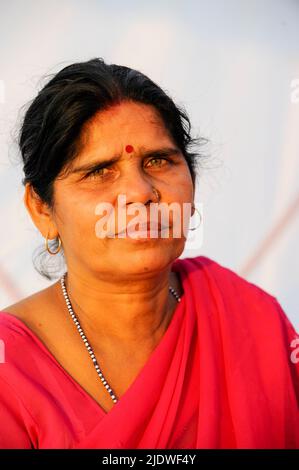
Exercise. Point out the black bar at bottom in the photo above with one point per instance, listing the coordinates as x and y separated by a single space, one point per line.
130 458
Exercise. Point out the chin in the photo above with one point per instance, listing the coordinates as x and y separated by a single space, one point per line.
154 258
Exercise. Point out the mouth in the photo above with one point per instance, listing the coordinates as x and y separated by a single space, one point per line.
145 227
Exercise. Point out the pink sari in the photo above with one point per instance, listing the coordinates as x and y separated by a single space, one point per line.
221 377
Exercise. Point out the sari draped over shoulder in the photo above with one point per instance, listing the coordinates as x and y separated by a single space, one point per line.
224 375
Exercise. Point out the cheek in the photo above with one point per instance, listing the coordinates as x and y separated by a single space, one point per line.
182 181
76 217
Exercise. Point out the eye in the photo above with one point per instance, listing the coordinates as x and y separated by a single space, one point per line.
98 172
159 160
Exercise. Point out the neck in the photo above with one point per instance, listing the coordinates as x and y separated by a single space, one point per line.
129 313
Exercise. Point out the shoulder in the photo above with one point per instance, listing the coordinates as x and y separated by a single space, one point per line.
30 318
12 329
225 279
17 345
235 296
26 308
17 359
248 317
21 328
221 275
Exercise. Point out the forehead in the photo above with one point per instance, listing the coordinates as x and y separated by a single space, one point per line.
125 123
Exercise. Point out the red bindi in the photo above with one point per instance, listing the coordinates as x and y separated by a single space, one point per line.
129 148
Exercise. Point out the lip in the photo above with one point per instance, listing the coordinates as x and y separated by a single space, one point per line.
146 227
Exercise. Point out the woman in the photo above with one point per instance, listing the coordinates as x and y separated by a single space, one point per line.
133 347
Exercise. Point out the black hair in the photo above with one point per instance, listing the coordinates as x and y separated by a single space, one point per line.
49 137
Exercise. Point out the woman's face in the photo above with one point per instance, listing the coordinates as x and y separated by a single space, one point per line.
78 192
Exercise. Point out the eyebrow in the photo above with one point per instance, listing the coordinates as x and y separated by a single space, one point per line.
161 152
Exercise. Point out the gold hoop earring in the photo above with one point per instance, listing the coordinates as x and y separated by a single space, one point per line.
47 246
194 228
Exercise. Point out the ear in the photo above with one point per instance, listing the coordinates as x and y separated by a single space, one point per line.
40 213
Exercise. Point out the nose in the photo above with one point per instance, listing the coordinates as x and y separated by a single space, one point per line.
138 187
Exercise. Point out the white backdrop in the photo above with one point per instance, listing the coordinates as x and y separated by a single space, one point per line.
231 63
